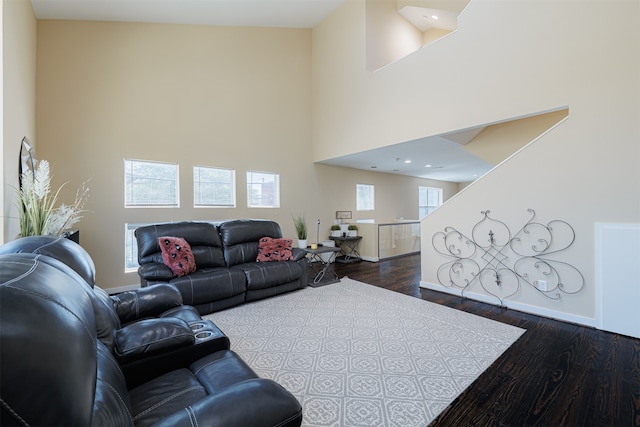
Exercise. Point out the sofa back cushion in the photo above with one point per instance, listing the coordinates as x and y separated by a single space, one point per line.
240 238
203 237
51 373
65 250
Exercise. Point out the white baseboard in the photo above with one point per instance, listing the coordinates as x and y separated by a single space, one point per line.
370 258
514 305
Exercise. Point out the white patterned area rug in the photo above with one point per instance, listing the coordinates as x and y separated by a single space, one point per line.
358 355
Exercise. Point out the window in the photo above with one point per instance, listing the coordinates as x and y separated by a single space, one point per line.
429 198
365 197
150 184
131 247
263 190
214 187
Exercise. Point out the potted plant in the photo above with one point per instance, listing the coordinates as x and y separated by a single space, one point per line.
335 230
352 230
301 230
36 198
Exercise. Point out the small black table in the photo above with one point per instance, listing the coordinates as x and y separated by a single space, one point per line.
349 248
324 273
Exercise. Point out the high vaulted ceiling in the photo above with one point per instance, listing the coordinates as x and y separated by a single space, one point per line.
446 158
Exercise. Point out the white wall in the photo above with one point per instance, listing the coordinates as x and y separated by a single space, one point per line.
499 65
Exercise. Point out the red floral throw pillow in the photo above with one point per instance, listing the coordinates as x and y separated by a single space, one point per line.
177 255
270 249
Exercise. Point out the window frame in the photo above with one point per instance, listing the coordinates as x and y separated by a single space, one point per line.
250 183
371 189
429 208
131 245
198 184
128 195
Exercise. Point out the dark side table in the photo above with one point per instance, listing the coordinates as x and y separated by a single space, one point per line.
349 249
324 273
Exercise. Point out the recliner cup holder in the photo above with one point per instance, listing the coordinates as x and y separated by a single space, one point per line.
203 335
198 326
205 330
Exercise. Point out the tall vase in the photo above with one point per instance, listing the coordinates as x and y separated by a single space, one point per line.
302 243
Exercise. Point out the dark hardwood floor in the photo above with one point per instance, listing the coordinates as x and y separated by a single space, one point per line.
556 374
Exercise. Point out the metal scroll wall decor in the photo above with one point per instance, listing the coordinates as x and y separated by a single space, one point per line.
502 261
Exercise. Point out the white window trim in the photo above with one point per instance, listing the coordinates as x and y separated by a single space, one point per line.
427 207
152 206
372 188
277 204
133 247
233 189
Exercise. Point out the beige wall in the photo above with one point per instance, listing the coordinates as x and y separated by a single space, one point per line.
389 36
195 95
217 96
19 102
490 70
497 142
396 196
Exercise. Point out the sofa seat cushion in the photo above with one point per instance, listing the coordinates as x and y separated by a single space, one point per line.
174 391
210 284
169 393
262 275
220 370
225 390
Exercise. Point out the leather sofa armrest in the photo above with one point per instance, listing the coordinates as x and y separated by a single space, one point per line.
298 254
150 336
142 370
271 405
146 302
155 272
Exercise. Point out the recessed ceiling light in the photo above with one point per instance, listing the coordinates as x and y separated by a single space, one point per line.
427 166
407 161
434 17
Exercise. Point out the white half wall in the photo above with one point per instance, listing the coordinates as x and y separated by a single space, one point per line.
618 278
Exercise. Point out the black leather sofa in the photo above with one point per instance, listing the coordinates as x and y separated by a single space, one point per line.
149 331
56 368
225 254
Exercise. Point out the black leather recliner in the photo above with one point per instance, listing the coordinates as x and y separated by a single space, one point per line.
55 371
149 331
